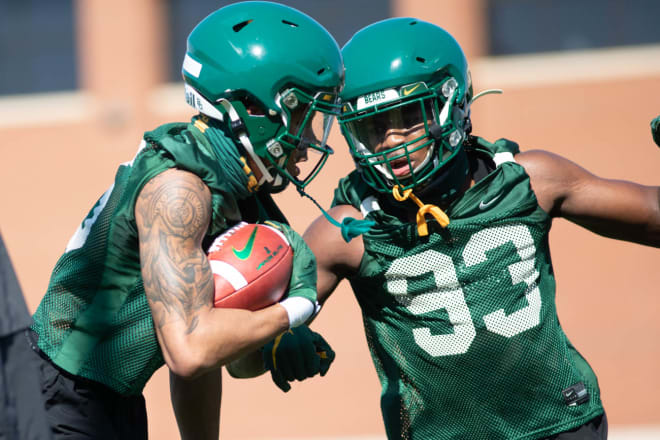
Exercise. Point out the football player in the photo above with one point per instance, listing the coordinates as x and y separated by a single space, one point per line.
134 289
454 278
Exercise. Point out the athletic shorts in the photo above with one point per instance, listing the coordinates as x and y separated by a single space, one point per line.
81 409
594 429
22 413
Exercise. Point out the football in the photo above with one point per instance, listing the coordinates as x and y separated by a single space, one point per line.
251 266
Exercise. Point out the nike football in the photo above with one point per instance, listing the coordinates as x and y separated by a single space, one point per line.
251 266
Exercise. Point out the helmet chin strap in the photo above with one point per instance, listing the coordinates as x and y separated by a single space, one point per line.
277 181
205 107
200 103
245 141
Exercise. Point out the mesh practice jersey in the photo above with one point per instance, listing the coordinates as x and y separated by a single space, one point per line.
462 324
94 320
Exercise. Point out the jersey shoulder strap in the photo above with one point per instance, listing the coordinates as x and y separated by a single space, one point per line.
501 151
351 190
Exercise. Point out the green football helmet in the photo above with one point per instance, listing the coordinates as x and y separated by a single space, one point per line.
404 72
272 74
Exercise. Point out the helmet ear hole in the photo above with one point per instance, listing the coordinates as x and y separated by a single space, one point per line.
254 110
252 107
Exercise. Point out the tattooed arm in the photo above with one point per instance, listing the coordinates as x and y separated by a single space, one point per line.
173 212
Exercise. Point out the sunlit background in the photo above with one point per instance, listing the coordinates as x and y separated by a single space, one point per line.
80 81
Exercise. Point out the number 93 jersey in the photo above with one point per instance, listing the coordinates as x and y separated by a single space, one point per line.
462 324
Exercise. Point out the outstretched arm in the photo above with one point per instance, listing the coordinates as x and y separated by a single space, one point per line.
612 208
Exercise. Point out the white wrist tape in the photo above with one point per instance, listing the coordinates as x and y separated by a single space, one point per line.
299 310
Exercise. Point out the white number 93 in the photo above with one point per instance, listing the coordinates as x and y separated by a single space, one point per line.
448 293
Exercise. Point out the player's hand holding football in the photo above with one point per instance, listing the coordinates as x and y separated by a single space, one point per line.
300 302
296 355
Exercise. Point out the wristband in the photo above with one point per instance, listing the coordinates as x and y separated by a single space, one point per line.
298 309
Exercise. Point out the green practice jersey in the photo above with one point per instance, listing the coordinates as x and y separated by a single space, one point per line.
462 324
94 320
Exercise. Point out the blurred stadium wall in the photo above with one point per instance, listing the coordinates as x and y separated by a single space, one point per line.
81 80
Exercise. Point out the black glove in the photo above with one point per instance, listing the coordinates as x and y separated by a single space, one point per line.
297 354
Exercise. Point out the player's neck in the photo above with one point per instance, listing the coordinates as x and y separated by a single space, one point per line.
406 211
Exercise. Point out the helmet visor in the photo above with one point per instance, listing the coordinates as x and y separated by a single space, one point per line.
309 121
370 130
311 126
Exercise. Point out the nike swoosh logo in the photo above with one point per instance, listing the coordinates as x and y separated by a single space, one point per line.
244 253
484 205
409 91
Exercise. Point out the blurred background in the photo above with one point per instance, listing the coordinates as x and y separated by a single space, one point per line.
81 80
